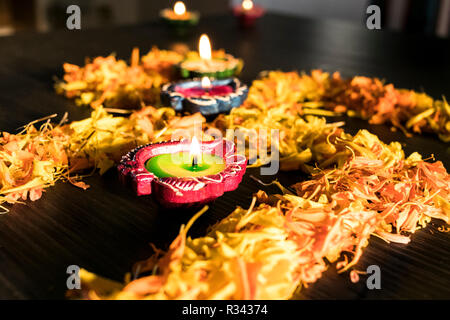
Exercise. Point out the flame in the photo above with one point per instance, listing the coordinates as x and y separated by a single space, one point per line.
247 4
206 83
179 8
204 47
195 150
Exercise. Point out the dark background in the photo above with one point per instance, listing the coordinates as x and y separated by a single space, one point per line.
107 228
430 17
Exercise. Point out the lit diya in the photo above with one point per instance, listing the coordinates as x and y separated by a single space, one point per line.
204 96
179 18
206 64
247 13
183 173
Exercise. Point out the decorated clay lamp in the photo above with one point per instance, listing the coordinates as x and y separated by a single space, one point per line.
205 65
183 173
179 18
209 97
247 13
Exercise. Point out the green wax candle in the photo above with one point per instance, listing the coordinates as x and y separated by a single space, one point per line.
180 165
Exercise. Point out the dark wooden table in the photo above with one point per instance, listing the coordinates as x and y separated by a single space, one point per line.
107 228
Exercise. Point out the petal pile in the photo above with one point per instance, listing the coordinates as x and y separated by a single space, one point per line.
112 82
30 161
268 251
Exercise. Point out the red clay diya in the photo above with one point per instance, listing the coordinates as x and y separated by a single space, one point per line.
181 173
204 96
247 13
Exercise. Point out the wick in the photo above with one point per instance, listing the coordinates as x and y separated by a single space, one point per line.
194 161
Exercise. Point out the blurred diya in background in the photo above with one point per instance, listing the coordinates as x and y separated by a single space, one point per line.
217 64
179 18
183 173
247 13
204 96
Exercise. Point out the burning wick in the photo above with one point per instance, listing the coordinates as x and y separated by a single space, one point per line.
179 8
206 83
195 152
204 47
247 4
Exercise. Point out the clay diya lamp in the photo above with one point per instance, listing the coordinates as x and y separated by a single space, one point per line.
205 64
204 96
183 173
248 13
179 19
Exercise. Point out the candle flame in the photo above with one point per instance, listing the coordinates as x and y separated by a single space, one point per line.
247 4
179 8
206 83
204 47
195 151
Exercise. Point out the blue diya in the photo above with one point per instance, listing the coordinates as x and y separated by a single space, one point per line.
209 97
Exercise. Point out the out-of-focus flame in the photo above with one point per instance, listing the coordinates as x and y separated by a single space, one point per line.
206 83
179 8
247 4
204 47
